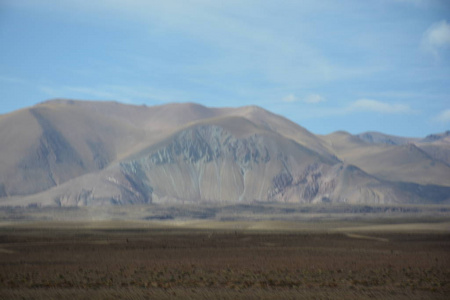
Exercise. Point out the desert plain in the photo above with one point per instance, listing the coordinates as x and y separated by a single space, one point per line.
328 252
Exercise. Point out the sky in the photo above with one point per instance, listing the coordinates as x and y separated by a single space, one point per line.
378 65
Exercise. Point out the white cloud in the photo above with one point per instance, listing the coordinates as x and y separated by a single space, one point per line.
311 99
444 116
369 105
314 98
436 37
290 98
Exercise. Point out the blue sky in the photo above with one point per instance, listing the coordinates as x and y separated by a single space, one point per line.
378 65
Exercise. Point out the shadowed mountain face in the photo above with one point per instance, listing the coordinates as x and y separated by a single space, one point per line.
72 153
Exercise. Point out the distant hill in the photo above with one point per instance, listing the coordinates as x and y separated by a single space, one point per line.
72 153
435 145
381 138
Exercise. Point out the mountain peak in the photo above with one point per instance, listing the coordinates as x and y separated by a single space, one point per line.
96 153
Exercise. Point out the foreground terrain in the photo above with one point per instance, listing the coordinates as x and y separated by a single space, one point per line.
244 260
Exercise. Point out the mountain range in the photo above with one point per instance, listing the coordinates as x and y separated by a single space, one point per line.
76 153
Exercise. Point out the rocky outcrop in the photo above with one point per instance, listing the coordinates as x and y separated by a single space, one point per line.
207 143
208 163
202 163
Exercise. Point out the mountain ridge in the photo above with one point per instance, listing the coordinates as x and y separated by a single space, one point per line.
76 153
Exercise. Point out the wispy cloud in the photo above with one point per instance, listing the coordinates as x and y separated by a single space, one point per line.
437 37
290 98
314 98
358 106
311 99
369 105
127 94
244 36
10 79
316 58
444 117
84 91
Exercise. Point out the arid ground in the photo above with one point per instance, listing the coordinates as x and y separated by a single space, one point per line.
226 260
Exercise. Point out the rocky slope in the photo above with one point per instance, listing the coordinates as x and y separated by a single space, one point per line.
72 153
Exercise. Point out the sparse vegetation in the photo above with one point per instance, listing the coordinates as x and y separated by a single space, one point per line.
129 262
